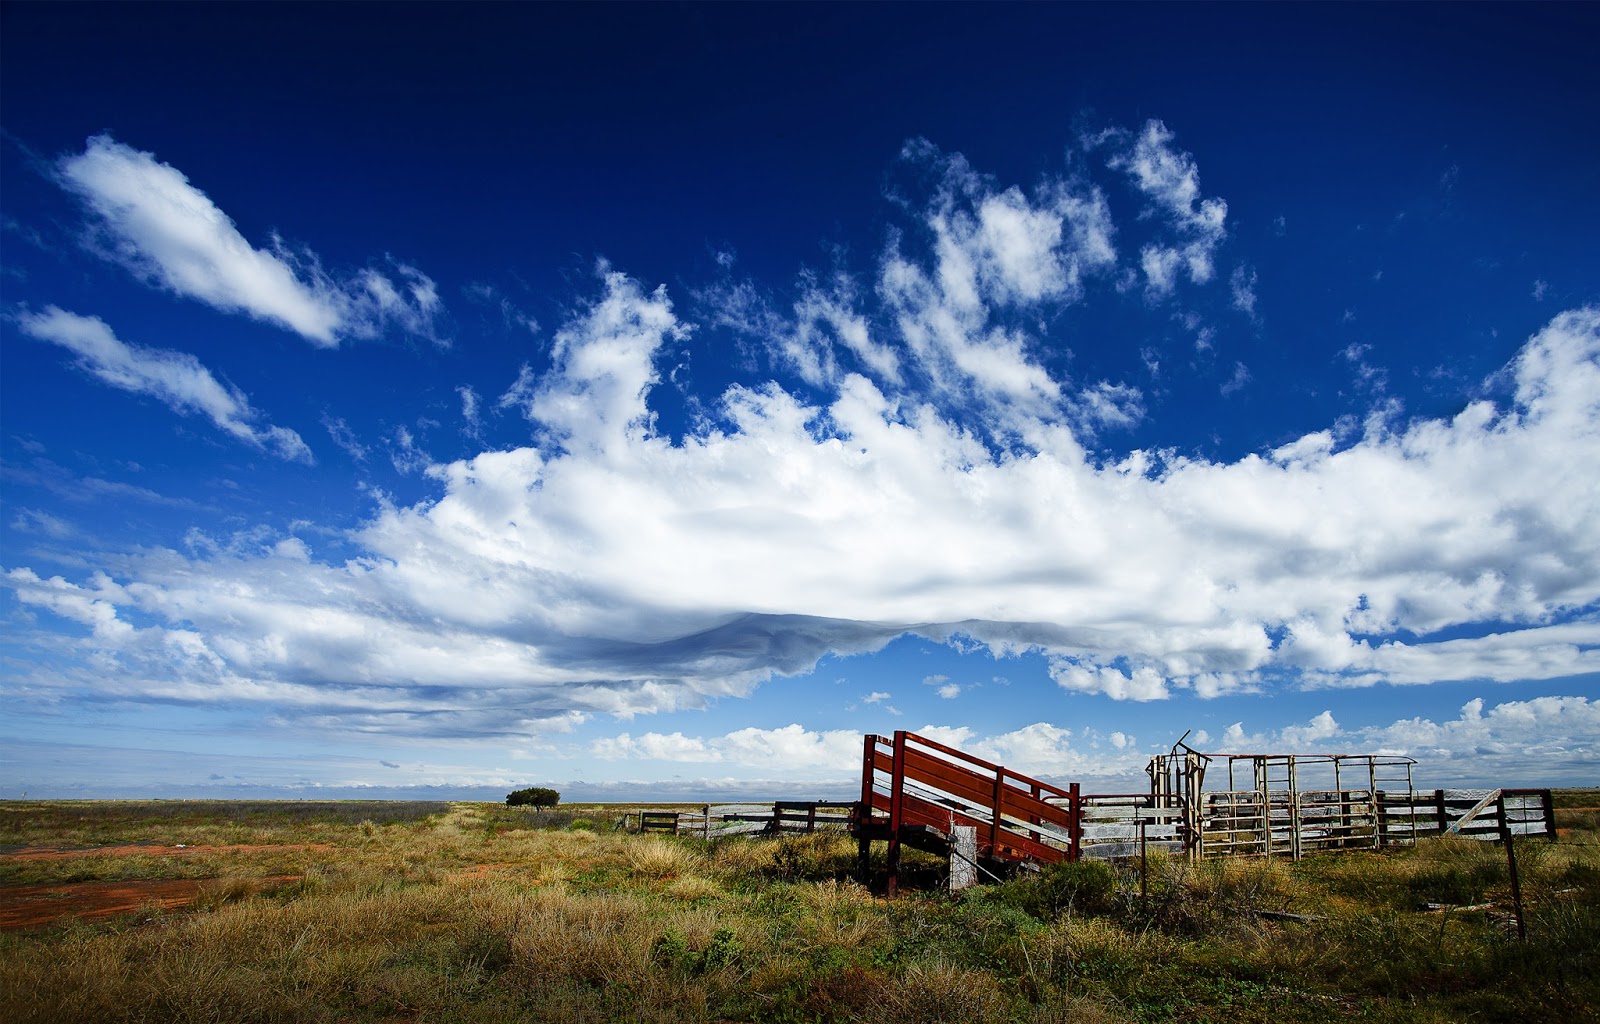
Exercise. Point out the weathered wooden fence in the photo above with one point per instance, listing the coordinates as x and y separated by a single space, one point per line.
1473 813
919 792
714 821
1288 805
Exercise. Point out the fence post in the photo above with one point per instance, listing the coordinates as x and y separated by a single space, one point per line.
1511 865
1144 866
863 815
994 815
1548 803
963 857
1075 846
1438 804
897 782
706 824
1033 819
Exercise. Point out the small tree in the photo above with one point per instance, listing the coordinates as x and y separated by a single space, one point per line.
534 796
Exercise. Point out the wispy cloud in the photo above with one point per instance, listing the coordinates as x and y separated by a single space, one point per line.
176 379
344 437
1170 178
154 222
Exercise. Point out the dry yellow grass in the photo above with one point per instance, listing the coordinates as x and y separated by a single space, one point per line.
461 919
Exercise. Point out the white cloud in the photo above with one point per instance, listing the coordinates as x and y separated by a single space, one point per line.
344 437
623 573
949 691
405 455
1160 265
876 697
1243 285
612 569
789 748
176 379
1241 377
1171 180
471 418
1542 741
162 228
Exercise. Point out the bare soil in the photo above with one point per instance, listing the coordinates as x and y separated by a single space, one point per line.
145 850
36 906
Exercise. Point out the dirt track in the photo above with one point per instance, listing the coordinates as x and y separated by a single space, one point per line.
34 906
141 849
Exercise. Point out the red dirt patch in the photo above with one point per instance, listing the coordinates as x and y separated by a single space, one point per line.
55 853
33 906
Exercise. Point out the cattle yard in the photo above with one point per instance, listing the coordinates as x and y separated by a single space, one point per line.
989 819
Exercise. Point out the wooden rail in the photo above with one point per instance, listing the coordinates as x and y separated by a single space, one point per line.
916 790
1407 817
714 821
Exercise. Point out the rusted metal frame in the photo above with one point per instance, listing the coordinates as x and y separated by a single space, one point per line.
1264 796
1293 783
1377 804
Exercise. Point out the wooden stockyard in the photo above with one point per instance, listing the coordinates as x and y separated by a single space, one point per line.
921 793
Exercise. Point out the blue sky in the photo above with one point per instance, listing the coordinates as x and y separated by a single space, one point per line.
648 401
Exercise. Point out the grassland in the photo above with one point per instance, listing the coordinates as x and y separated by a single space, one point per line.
476 912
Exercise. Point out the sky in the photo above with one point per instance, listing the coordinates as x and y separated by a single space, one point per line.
649 401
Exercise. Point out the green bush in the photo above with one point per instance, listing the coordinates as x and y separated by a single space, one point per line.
1079 887
534 796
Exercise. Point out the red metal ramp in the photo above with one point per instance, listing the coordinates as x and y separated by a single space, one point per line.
916 790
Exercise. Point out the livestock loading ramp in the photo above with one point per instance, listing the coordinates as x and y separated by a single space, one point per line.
917 791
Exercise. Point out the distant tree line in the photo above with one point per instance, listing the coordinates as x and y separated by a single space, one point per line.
534 796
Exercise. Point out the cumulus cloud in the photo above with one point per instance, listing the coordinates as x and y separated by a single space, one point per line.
153 221
791 747
616 571
176 379
1544 741
609 568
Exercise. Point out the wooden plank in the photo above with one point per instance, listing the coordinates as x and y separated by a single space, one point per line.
1098 833
953 779
1108 851
983 766
1024 805
1095 812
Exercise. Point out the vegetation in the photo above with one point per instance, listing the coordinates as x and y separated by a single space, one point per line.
534 796
480 912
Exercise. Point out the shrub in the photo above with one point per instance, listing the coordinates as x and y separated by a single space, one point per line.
1078 887
534 796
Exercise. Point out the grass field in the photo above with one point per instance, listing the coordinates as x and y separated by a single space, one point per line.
389 912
